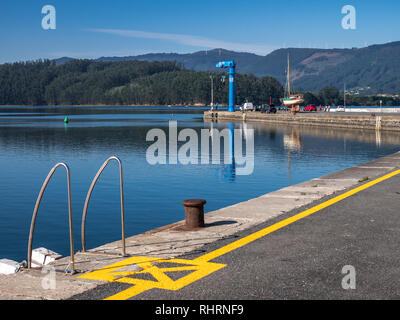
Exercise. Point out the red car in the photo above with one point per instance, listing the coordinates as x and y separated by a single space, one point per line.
310 108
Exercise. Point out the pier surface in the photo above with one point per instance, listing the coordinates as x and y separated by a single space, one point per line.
291 243
301 255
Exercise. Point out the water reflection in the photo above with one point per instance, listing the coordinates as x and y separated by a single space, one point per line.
378 138
323 138
292 143
230 172
238 156
227 170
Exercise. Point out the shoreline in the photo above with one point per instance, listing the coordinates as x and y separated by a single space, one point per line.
182 105
105 105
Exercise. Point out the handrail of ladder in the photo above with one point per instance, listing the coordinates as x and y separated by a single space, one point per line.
122 203
35 211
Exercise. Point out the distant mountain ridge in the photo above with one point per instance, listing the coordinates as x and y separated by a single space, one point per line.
376 68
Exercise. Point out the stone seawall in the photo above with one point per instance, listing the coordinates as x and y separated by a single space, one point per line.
370 121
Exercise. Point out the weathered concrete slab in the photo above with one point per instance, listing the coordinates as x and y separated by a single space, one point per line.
35 286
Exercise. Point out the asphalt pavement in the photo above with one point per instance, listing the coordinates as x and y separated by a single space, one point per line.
354 241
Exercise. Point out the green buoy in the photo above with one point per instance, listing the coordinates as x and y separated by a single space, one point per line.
66 120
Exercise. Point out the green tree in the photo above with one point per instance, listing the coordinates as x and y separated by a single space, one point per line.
310 98
329 96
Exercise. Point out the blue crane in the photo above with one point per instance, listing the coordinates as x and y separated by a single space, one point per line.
231 65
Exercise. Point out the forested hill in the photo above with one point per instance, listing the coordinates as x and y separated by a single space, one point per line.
88 82
376 68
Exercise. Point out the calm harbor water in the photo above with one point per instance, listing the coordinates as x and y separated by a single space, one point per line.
33 140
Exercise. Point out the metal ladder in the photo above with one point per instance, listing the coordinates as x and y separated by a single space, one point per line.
40 196
35 211
96 178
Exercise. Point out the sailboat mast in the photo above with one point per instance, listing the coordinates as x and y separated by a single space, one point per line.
288 75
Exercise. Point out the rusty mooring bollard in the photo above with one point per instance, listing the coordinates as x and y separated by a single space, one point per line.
194 213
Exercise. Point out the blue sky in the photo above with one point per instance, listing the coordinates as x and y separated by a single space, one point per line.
95 28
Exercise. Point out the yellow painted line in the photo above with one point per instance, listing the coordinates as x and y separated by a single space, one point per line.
200 266
262 233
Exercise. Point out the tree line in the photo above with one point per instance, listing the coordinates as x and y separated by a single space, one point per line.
332 96
88 82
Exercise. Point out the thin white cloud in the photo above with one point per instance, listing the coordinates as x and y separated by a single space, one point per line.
93 54
190 40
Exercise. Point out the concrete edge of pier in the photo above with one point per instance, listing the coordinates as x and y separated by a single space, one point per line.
373 121
170 241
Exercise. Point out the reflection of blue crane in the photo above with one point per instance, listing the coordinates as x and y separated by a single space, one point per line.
232 71
229 169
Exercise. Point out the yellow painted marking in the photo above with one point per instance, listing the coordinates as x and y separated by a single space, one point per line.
200 270
200 266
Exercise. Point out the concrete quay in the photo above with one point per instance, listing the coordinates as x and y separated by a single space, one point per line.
172 241
383 121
